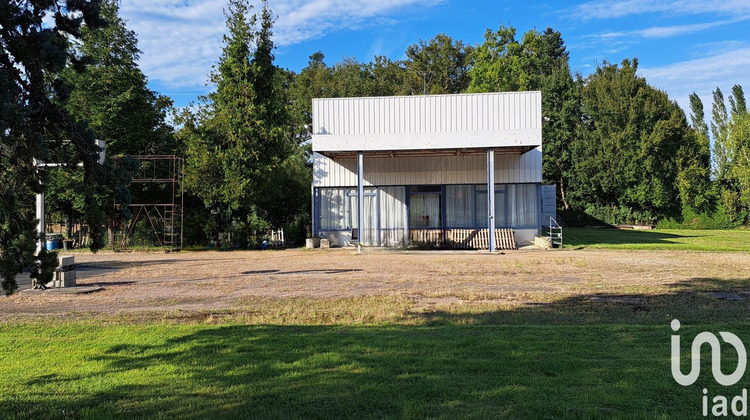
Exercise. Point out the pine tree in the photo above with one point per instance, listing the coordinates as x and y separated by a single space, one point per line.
34 126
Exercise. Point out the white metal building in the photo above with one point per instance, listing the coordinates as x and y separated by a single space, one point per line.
403 166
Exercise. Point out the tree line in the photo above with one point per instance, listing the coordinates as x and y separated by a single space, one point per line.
618 149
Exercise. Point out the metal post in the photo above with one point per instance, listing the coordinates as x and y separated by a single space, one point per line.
40 224
491 197
360 199
39 211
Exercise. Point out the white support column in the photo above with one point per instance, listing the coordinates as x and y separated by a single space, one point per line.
39 212
491 197
360 198
40 224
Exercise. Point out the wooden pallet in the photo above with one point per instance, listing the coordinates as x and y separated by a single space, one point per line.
461 238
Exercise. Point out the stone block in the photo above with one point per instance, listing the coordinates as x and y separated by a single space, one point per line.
66 260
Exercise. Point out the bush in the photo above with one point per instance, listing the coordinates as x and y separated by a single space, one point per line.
689 219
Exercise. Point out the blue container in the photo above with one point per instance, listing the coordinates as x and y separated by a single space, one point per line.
53 242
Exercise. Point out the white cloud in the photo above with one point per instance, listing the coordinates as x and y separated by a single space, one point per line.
181 39
701 75
665 31
605 9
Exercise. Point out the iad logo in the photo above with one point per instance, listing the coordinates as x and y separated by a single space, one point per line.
720 406
695 359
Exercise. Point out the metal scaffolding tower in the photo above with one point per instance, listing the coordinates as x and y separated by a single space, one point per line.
159 200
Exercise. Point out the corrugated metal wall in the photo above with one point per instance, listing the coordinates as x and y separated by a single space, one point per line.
428 114
426 170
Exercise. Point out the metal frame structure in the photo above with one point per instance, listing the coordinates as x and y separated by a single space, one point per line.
165 218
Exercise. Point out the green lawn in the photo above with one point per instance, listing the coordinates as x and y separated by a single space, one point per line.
579 356
673 239
449 371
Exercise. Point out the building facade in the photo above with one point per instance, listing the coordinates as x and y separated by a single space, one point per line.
421 168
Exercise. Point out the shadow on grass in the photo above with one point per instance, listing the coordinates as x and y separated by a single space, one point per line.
582 237
599 355
693 301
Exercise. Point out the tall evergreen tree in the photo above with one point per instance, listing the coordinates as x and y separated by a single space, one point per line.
242 132
34 126
111 95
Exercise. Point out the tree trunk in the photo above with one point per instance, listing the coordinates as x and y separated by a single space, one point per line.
562 194
111 233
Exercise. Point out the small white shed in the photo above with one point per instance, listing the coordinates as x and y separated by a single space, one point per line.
408 168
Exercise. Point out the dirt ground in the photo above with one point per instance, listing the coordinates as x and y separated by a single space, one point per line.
153 284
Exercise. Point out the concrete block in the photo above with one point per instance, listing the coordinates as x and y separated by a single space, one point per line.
66 260
69 279
324 243
312 243
65 276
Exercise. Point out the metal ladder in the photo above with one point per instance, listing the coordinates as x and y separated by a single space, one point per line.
555 234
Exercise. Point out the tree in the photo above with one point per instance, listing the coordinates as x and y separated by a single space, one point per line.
350 78
111 95
242 132
694 180
737 103
740 168
502 63
626 160
720 133
387 77
314 81
733 150
437 66
33 124
561 106
539 62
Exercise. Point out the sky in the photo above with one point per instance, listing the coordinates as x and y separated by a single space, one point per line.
682 46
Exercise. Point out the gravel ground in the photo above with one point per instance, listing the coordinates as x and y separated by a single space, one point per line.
156 283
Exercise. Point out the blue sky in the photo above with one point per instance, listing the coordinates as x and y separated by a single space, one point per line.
682 46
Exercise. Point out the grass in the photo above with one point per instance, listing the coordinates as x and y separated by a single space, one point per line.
668 239
576 357
80 370
581 353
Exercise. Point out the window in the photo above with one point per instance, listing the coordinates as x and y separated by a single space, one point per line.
522 205
459 206
332 208
515 206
